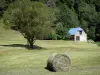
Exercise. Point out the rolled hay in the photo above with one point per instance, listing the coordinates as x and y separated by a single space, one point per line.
58 63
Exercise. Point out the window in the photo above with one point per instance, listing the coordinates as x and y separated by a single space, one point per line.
80 32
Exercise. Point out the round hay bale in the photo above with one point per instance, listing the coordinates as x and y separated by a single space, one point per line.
58 62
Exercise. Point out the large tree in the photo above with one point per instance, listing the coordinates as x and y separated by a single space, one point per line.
32 19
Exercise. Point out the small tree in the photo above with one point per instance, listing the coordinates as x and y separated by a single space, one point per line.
32 19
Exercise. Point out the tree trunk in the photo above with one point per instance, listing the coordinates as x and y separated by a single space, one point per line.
30 43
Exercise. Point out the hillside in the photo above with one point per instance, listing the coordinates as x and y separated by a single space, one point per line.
8 34
69 14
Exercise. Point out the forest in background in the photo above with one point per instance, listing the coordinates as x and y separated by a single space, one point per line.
69 14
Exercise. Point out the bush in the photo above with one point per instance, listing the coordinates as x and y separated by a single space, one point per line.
90 41
52 36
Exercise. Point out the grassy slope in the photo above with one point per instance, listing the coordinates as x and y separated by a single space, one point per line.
16 60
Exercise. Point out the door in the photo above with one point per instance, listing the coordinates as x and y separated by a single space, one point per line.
77 38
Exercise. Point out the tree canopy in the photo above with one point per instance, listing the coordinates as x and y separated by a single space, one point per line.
32 19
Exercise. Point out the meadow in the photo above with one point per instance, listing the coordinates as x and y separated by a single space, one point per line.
16 59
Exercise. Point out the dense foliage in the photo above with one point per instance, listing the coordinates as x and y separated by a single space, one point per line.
4 4
76 13
69 14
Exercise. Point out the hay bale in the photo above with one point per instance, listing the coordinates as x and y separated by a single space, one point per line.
58 62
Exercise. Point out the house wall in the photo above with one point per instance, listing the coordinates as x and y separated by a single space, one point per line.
83 36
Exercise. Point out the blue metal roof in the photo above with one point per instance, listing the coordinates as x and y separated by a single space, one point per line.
73 31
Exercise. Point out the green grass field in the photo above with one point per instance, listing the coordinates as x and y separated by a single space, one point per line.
15 59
